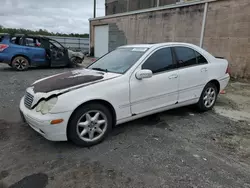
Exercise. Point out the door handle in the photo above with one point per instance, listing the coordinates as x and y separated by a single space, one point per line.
173 76
204 70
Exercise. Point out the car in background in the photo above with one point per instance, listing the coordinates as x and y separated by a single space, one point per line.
126 84
24 51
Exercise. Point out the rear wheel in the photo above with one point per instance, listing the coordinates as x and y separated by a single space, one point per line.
208 97
20 63
90 124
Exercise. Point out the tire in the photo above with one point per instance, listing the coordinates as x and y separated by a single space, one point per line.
208 98
20 63
86 129
77 60
74 61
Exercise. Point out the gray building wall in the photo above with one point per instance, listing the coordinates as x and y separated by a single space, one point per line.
116 37
226 30
120 6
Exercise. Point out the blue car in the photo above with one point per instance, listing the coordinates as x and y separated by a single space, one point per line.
24 51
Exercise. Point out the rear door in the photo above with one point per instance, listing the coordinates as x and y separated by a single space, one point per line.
32 50
193 73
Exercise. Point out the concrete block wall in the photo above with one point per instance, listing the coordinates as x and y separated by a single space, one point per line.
120 6
227 30
116 37
227 34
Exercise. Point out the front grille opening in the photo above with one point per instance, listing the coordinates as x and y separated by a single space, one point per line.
28 100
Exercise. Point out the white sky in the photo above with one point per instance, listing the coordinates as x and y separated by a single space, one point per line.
65 16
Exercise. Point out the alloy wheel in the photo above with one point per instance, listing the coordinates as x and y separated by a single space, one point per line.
20 64
92 126
209 97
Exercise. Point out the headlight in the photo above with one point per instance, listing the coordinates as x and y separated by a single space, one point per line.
39 106
45 106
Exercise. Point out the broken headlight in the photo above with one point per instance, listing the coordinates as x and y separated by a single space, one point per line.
46 106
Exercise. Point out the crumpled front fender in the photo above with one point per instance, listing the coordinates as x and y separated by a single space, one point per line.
75 54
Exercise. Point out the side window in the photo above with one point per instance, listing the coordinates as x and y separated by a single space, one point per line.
160 61
30 42
185 56
15 40
200 58
1 38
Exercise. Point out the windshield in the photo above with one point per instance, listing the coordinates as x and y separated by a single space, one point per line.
119 60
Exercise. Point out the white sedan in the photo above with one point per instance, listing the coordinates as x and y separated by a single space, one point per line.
128 83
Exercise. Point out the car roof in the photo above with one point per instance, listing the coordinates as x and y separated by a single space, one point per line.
34 36
22 35
137 46
158 45
3 34
155 45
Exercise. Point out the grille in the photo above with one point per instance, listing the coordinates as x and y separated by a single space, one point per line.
28 100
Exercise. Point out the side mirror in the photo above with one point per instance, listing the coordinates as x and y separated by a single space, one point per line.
145 73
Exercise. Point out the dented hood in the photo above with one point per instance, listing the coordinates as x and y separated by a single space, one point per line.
70 80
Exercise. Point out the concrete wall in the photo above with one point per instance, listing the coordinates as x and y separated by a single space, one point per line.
120 6
227 34
227 30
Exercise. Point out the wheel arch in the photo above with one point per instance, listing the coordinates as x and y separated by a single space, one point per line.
21 56
97 101
216 83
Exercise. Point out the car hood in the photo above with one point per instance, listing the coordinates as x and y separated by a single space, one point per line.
71 80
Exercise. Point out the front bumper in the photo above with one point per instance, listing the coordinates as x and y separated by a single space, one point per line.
41 123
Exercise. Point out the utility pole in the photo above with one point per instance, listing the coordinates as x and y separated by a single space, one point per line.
158 3
94 8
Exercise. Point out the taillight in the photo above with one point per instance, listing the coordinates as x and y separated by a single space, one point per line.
228 70
3 47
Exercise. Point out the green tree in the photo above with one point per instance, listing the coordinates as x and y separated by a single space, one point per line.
13 31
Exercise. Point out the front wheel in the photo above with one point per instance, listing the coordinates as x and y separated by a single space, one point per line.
208 97
89 125
74 61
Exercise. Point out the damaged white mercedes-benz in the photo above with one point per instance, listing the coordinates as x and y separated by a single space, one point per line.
128 83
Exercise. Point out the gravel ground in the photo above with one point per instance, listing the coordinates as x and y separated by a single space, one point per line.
177 148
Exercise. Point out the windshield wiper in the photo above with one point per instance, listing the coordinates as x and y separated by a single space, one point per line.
100 69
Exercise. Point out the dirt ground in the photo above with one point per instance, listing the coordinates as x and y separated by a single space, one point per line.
177 148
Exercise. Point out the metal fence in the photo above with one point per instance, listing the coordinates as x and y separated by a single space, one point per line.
74 43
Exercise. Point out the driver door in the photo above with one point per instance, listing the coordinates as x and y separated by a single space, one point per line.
159 91
58 54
